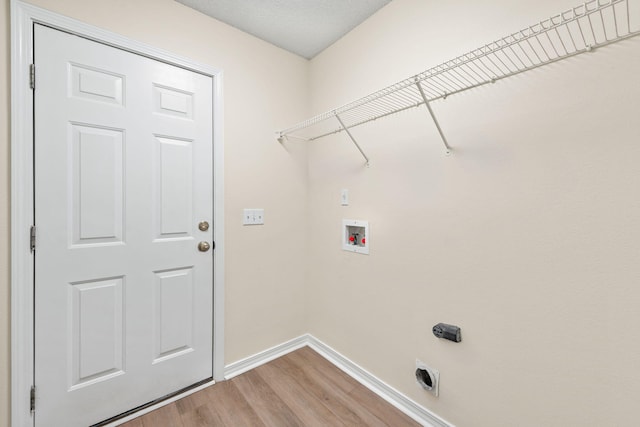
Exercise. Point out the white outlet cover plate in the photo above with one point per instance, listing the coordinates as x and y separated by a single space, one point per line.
344 197
253 216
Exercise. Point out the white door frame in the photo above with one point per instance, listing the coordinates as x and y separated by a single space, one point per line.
23 16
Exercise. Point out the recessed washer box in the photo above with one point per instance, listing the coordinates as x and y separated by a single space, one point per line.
355 236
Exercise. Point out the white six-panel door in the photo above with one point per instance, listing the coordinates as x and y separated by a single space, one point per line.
123 177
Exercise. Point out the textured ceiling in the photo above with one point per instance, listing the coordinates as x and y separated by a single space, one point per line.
304 27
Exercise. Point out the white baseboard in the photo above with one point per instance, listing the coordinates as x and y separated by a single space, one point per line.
382 389
244 365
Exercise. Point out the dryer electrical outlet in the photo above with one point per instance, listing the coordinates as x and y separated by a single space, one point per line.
355 236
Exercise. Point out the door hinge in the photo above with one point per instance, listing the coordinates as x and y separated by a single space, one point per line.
32 76
32 399
32 238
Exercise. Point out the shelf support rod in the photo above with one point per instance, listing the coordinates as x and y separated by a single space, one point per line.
346 129
433 116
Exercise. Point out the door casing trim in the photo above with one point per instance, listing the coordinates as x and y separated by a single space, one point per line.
23 17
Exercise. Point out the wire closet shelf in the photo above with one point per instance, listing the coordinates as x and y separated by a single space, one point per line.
581 29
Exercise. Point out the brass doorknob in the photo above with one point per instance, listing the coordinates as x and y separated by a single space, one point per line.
203 246
203 226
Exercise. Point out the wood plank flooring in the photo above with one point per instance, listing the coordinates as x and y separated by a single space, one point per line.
299 389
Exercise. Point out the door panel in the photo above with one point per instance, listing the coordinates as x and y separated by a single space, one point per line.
173 185
173 305
97 177
123 175
97 85
96 331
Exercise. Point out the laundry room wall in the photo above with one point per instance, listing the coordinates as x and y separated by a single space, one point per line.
527 236
264 87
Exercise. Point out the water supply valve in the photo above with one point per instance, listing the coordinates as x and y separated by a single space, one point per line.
355 236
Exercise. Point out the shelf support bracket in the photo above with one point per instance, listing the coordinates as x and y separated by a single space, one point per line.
433 117
282 137
346 129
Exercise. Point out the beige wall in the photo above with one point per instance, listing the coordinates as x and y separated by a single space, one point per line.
527 236
264 88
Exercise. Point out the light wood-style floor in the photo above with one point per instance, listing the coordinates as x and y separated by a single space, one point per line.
299 389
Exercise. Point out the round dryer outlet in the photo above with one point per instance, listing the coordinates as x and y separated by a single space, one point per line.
427 378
